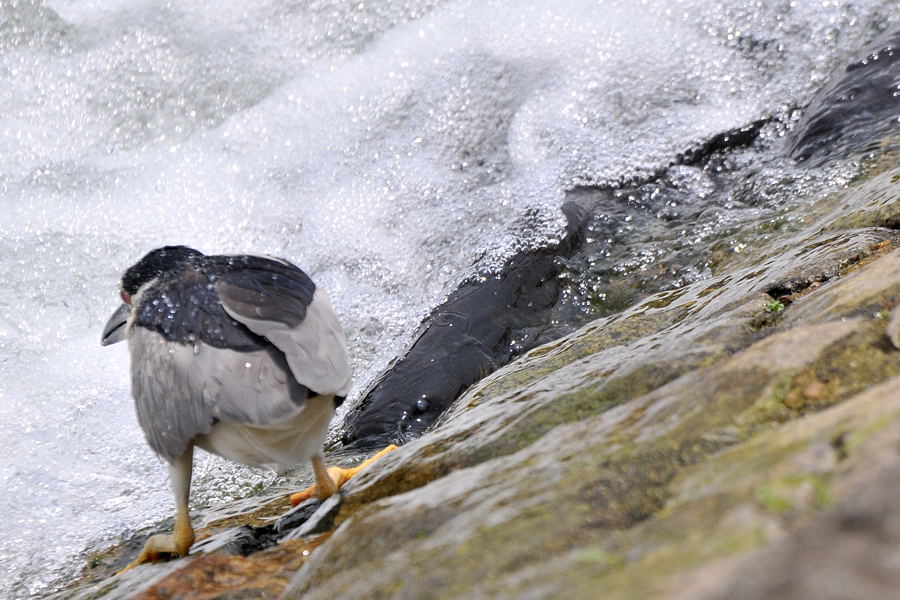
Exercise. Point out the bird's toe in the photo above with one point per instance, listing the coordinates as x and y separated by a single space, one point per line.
328 482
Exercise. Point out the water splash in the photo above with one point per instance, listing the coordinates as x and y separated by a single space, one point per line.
392 150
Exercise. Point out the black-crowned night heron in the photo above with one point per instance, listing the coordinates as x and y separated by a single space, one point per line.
239 355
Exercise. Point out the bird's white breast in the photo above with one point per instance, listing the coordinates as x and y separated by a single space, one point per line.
285 443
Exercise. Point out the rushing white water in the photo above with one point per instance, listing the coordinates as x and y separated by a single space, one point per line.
390 149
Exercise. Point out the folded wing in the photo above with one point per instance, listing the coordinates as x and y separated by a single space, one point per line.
282 343
296 318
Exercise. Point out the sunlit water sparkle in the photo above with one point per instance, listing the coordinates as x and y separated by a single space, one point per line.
390 149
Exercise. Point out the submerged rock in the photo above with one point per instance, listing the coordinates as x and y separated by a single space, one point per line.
463 340
858 110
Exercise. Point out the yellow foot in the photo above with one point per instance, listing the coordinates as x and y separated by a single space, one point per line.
339 476
158 547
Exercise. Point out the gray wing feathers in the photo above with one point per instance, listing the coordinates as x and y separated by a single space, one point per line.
270 304
180 392
168 408
255 388
315 348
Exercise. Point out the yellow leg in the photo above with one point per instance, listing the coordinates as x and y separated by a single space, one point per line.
326 484
330 480
179 542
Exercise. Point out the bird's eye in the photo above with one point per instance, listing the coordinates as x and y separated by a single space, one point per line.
126 297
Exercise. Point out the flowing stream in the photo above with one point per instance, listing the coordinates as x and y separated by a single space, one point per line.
392 150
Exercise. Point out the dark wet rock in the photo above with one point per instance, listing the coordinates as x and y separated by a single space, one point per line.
483 325
297 516
740 137
240 540
469 336
320 521
857 111
489 321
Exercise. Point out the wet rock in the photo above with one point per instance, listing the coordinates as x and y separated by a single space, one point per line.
727 140
320 521
237 562
239 540
250 527
208 576
262 575
627 491
297 516
643 446
849 551
619 358
893 327
464 339
857 111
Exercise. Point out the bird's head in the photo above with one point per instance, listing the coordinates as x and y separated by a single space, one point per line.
152 266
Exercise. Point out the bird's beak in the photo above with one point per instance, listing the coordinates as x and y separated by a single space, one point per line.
114 331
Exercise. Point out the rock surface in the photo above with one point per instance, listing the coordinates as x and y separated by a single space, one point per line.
735 438
648 446
857 110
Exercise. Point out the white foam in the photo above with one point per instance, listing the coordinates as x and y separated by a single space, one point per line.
391 149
